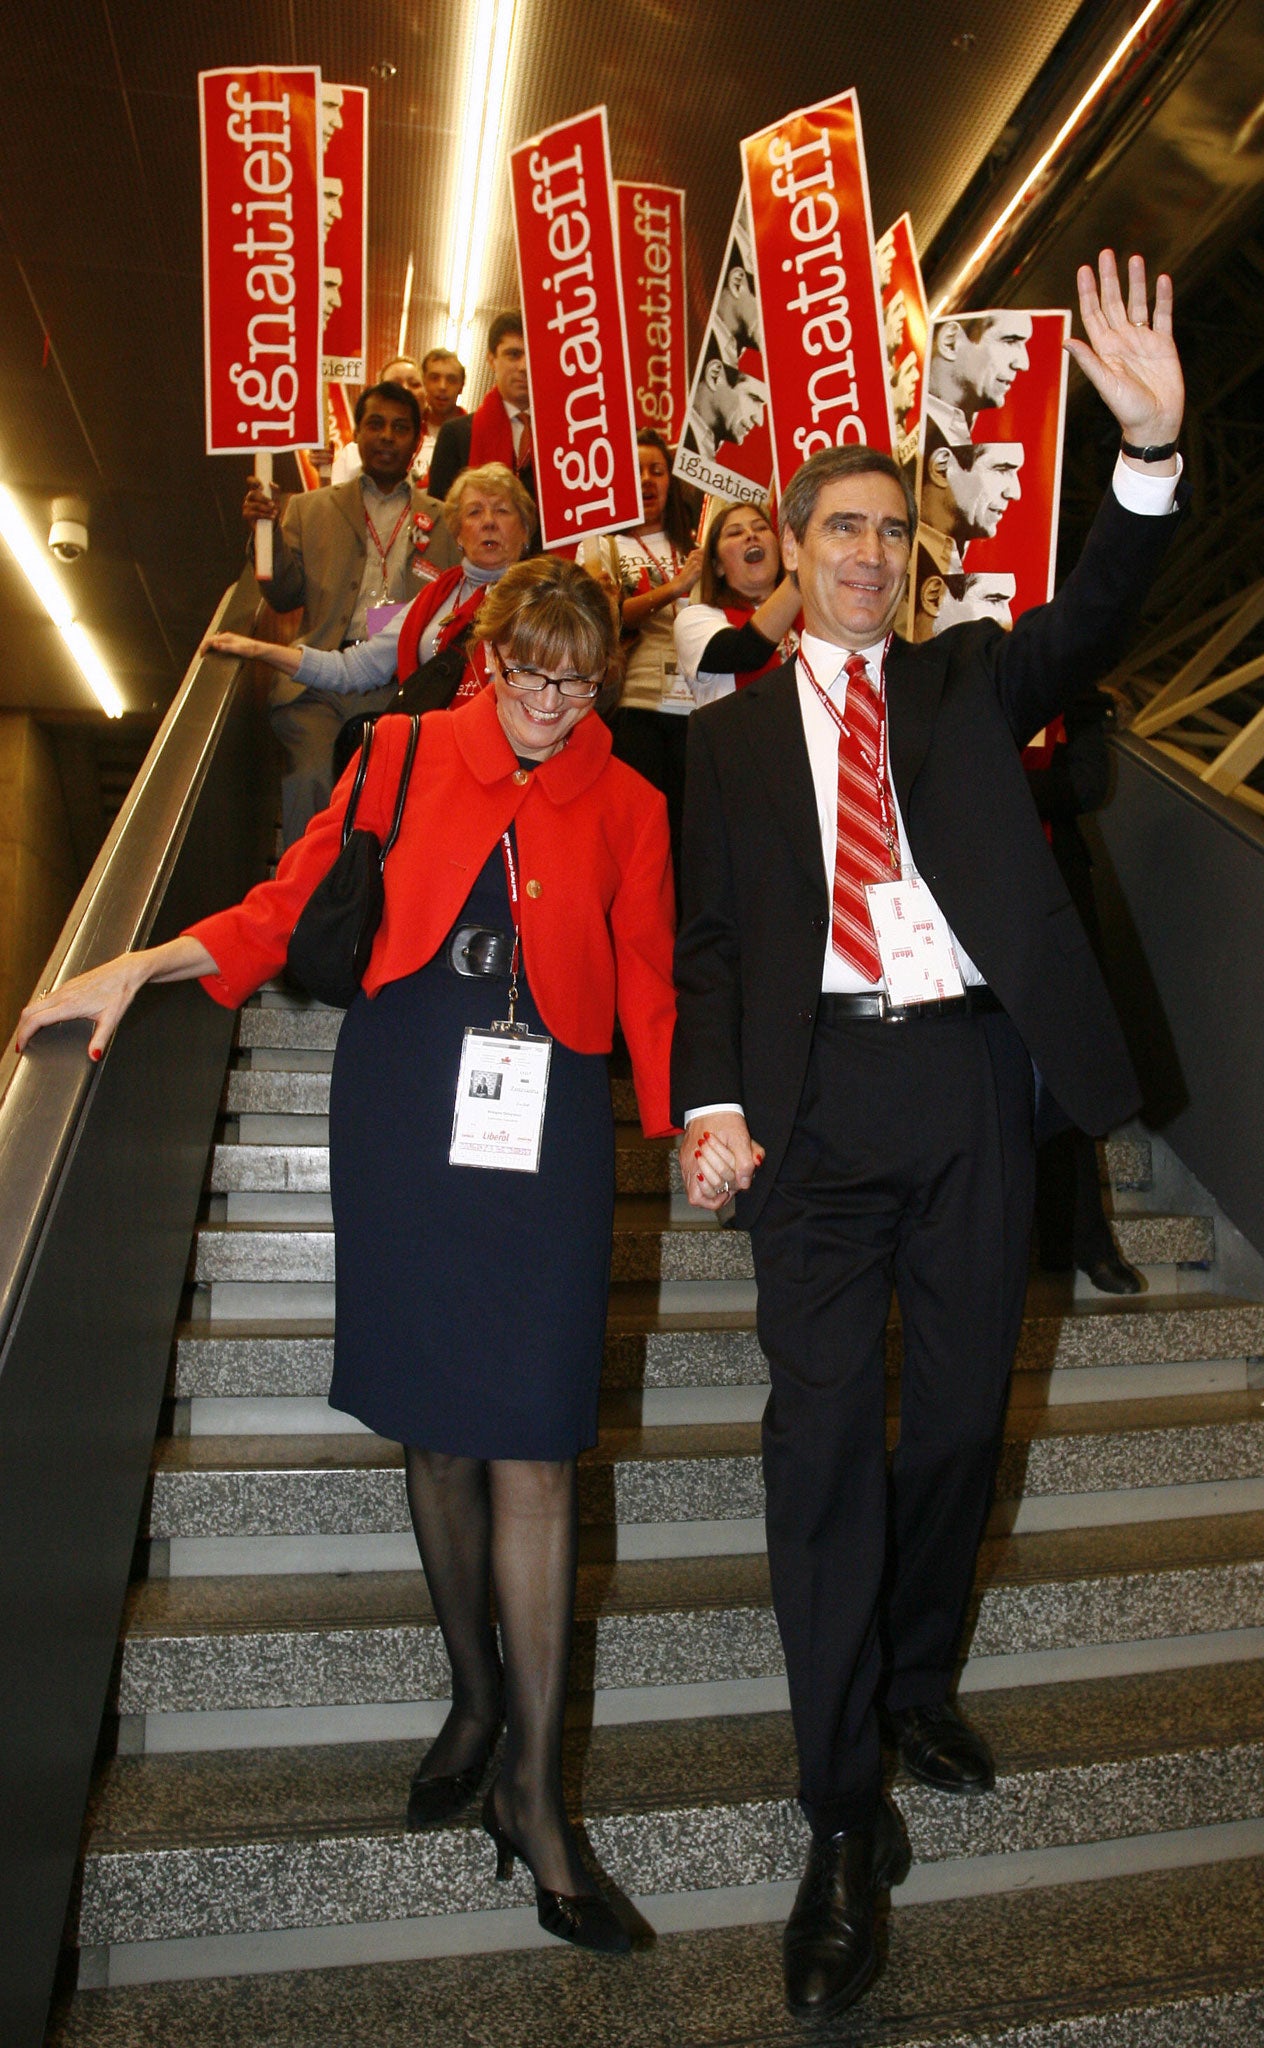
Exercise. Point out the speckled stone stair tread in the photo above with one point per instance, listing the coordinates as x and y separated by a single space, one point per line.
1171 1959
650 1346
299 1484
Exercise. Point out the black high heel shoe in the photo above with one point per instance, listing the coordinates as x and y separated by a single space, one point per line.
433 1802
584 1919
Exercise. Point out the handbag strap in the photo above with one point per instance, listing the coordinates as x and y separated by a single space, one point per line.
362 769
405 773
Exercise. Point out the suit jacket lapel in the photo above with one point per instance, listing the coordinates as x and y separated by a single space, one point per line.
915 681
773 731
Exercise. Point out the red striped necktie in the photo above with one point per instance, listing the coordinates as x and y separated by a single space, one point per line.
865 846
522 456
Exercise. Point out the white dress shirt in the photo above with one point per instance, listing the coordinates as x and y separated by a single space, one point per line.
1152 496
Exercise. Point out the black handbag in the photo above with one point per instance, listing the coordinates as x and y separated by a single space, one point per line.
330 945
431 687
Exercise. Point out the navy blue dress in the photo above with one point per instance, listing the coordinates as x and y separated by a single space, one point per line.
471 1301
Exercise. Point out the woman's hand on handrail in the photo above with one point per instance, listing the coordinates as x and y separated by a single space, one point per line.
104 993
286 658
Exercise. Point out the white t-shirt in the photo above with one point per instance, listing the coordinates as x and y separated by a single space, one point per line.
695 626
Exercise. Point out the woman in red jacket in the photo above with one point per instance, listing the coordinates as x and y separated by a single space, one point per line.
473 1246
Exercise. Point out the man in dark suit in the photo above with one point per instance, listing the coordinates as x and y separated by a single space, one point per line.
895 1145
498 430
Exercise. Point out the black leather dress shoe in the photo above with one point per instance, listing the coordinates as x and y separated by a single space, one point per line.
1111 1274
434 1801
829 1952
938 1749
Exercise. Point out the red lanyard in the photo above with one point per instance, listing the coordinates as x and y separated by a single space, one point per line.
511 879
383 552
885 806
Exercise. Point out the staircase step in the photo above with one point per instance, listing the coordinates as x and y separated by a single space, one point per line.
642 1166
307 1030
239 1486
1162 1959
650 1349
647 1245
182 1848
361 1638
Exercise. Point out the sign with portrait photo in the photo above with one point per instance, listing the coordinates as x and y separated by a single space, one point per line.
588 478
652 260
345 208
725 447
989 467
261 257
905 321
812 237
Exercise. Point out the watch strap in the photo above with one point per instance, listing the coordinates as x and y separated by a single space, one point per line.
1149 454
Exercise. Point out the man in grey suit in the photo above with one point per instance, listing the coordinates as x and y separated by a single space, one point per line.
374 540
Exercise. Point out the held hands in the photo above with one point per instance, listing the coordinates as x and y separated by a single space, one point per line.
717 1157
1130 357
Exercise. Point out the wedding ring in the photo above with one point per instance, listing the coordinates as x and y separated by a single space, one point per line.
726 1187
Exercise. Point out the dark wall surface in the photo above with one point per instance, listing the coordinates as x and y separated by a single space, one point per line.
1180 875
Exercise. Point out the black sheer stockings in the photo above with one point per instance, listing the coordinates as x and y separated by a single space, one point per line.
511 1524
451 1512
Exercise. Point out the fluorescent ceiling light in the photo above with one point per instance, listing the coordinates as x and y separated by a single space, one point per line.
477 151
33 562
1038 170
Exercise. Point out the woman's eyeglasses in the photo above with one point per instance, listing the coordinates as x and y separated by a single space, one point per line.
531 681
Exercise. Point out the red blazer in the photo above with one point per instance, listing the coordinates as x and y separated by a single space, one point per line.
594 868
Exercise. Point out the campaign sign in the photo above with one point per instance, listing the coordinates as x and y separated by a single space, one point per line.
261 257
990 467
345 211
652 261
905 321
812 232
725 448
583 430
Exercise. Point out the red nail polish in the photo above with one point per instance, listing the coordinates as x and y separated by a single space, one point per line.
94 1052
705 1136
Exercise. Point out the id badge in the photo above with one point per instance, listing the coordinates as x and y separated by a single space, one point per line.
501 1091
674 688
914 943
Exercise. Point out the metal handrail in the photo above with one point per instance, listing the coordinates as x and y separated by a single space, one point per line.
43 1095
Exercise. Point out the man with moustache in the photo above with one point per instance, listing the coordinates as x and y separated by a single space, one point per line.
872 1145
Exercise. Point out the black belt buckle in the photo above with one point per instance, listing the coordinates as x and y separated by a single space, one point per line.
475 949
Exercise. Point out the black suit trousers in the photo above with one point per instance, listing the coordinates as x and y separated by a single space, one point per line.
910 1166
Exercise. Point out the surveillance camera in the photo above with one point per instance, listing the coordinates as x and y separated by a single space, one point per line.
68 534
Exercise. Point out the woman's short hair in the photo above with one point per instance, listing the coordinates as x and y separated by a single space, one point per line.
798 500
713 586
549 613
495 481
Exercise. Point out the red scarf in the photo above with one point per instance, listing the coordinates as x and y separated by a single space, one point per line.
491 433
422 610
738 615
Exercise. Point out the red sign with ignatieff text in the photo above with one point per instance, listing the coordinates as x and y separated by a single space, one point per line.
345 207
818 289
261 258
652 260
583 428
905 320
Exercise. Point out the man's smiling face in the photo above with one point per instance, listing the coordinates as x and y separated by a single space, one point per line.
852 562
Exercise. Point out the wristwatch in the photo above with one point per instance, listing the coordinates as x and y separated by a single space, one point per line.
1148 454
